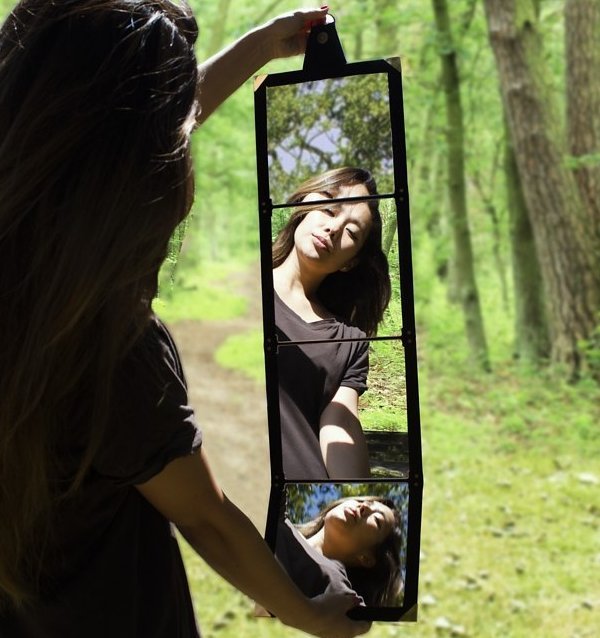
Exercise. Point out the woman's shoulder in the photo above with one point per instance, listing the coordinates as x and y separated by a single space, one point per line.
353 332
312 572
154 351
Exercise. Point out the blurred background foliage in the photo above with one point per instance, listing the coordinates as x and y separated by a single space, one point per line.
509 391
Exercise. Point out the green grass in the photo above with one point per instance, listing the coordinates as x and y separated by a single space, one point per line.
202 293
511 516
244 353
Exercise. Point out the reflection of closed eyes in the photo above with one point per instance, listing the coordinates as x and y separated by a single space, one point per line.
332 212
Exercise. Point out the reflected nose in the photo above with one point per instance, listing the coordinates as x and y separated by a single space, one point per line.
364 508
331 228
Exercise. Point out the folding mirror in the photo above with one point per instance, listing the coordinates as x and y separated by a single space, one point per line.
339 329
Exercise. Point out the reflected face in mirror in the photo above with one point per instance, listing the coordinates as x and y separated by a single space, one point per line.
362 536
353 529
334 254
329 238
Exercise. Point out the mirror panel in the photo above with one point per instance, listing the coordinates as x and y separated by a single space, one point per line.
374 441
306 127
315 126
341 287
341 514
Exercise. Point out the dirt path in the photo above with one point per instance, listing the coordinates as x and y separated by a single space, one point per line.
230 409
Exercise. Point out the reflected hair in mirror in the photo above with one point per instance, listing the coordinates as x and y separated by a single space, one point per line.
380 585
359 295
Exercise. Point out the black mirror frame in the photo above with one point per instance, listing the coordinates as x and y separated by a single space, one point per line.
311 72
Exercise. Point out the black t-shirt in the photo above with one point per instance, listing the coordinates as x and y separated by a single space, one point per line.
309 377
312 572
116 570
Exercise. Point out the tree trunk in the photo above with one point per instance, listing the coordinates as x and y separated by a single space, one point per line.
552 198
582 48
429 184
532 344
463 253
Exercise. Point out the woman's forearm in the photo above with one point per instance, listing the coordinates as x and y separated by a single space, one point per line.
228 69
186 493
237 552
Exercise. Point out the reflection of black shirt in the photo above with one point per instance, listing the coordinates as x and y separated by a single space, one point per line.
115 569
309 377
312 572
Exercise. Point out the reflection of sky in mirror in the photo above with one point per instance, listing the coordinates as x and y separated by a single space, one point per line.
319 125
324 140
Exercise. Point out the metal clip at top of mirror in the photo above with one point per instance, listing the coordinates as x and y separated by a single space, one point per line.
324 54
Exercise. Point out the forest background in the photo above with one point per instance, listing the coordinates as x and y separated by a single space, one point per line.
503 153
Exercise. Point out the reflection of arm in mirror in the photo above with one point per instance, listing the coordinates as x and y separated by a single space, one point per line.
332 282
342 440
310 376
228 69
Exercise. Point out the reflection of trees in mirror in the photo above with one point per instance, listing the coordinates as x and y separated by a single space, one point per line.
319 125
389 221
304 501
392 318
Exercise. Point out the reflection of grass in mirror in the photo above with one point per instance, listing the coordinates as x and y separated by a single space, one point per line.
383 406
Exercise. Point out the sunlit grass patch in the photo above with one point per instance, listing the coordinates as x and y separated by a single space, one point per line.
200 293
244 353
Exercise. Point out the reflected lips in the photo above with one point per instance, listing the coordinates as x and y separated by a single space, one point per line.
320 242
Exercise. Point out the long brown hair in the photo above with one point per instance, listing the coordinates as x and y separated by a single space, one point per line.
360 295
380 584
97 102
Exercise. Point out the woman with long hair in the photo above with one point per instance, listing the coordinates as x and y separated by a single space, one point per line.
99 449
331 283
352 545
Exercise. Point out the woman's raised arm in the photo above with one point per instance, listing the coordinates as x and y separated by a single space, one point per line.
227 70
